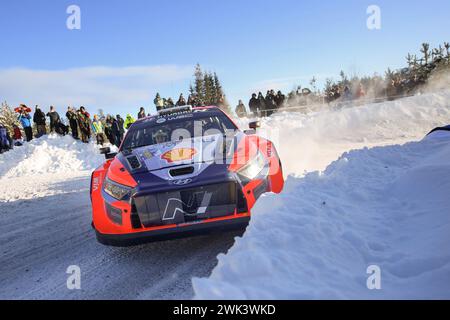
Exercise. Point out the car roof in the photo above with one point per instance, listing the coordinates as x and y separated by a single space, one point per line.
195 113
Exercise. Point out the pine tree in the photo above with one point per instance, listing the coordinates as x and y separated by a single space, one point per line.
344 80
208 86
426 52
389 75
447 49
217 89
409 60
221 99
415 61
8 117
208 89
312 83
199 85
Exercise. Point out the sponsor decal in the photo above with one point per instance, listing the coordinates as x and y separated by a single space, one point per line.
182 182
179 154
147 154
95 184
161 120
180 116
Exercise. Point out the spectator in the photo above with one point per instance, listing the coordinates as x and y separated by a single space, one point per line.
115 131
261 103
25 120
191 100
279 99
181 101
73 121
39 120
108 130
97 127
240 110
17 136
270 103
121 124
129 120
54 118
159 103
5 143
141 113
84 123
347 93
170 103
254 104
61 128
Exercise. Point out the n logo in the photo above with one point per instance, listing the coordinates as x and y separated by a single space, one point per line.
175 206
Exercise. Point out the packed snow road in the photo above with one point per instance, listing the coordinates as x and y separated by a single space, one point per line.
42 237
45 217
45 227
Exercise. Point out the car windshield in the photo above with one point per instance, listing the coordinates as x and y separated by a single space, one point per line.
177 130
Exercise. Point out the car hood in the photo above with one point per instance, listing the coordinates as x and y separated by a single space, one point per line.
207 149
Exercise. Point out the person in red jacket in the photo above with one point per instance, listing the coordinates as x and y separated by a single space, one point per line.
17 136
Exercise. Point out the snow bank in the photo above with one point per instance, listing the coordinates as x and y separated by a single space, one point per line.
49 154
47 166
309 142
386 206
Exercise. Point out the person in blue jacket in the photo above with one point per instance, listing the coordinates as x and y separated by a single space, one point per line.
25 121
5 143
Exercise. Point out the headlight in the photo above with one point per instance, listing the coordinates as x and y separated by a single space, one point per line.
116 190
254 167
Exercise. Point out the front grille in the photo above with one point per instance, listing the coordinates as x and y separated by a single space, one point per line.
135 220
205 202
181 171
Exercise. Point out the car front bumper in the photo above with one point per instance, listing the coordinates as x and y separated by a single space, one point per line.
179 231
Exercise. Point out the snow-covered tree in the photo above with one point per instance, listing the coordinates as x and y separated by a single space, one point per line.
8 117
426 52
208 86
199 84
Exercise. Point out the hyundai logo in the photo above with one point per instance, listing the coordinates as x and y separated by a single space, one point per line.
182 182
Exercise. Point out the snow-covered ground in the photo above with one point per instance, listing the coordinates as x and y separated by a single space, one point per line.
384 206
387 206
45 227
311 142
41 168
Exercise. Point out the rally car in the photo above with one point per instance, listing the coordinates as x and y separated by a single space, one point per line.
181 172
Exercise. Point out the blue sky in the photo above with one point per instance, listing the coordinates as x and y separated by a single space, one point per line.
126 51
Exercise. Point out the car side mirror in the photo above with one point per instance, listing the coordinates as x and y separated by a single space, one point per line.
254 125
110 155
105 150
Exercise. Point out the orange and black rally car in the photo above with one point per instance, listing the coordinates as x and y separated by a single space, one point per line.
181 172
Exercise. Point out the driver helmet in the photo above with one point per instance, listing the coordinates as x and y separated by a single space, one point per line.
160 136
